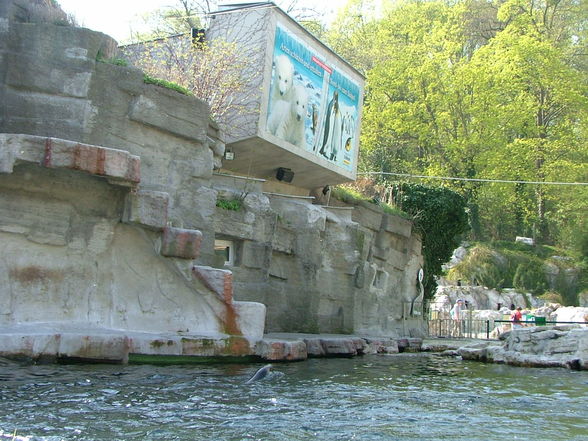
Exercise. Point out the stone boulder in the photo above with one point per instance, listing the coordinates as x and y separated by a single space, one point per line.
543 346
570 314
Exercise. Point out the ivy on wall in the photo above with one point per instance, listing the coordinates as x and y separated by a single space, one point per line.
440 217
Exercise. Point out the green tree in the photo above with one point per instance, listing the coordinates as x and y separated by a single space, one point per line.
477 89
534 93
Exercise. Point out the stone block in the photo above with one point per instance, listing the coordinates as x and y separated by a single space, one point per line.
118 165
382 346
238 224
34 74
181 243
397 259
147 208
250 318
39 218
139 344
397 225
171 112
125 78
95 160
281 265
283 241
45 115
255 254
314 347
94 347
380 252
299 214
216 280
276 350
29 345
201 346
368 215
69 45
343 347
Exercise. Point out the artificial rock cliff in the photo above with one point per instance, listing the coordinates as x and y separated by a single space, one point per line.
108 220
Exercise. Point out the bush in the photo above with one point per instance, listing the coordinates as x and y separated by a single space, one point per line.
440 217
530 277
482 266
232 205
552 297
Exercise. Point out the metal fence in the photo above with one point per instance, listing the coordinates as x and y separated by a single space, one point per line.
440 324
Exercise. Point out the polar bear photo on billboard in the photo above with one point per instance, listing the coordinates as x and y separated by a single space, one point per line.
311 104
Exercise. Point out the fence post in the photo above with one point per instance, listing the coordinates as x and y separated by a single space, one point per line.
487 329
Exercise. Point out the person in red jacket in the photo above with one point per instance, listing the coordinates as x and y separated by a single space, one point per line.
516 318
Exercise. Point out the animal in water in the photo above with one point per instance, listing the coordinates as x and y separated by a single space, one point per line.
332 134
260 374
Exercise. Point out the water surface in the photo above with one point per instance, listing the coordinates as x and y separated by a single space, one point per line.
398 397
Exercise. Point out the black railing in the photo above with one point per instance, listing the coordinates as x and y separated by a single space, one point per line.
482 329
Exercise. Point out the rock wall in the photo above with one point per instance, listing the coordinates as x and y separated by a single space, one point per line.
108 214
98 176
322 269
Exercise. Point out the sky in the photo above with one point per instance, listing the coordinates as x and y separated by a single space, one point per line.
117 17
113 17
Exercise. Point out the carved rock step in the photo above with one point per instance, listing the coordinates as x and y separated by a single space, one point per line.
217 280
119 166
182 243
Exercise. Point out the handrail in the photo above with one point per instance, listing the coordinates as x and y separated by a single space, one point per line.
545 322
479 327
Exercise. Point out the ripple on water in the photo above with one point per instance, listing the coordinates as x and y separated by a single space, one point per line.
369 398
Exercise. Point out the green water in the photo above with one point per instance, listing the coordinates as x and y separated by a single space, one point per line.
400 397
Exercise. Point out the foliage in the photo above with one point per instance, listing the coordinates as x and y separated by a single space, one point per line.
167 84
116 61
347 195
552 297
483 266
534 269
530 277
232 204
352 196
215 72
475 89
175 19
440 216
180 16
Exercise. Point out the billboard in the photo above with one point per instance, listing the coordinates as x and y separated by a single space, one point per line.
312 104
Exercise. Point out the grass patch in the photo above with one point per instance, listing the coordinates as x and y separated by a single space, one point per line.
232 205
354 197
147 79
116 61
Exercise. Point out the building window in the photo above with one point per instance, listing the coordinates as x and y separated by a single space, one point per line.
225 249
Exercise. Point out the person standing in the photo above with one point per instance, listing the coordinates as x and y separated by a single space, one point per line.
516 318
456 316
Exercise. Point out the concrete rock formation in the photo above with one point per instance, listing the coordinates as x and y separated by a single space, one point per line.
549 346
109 217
